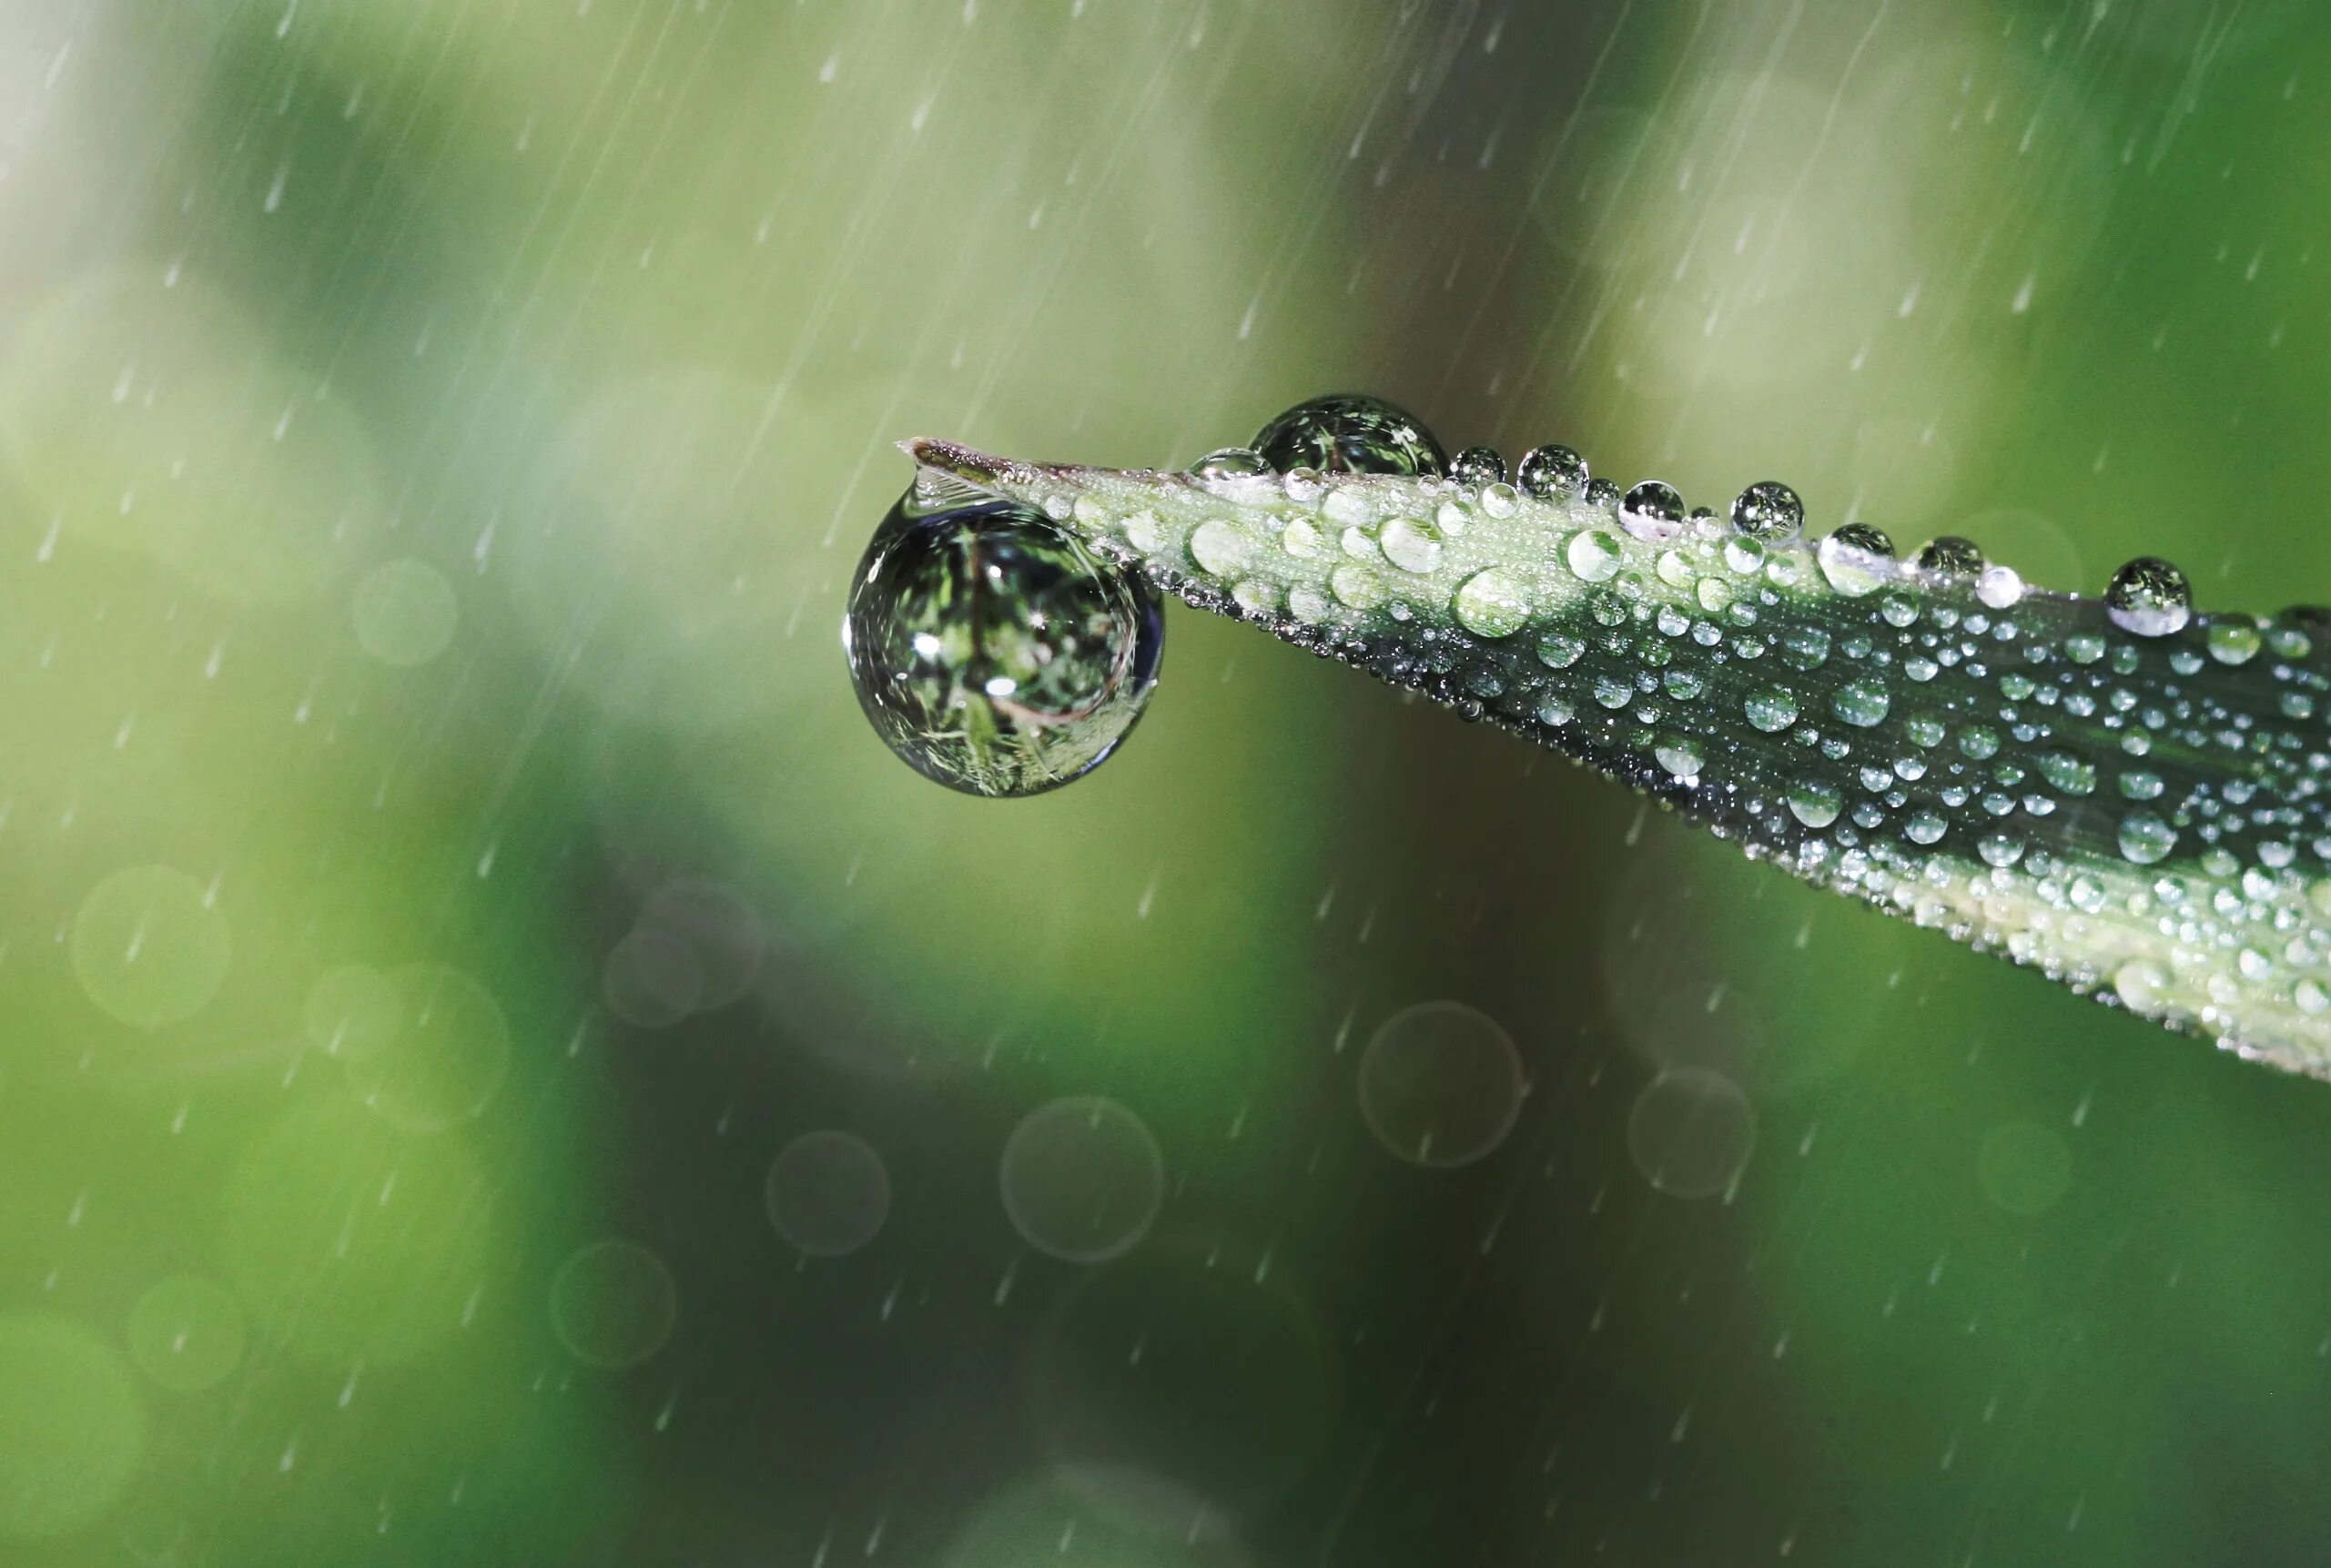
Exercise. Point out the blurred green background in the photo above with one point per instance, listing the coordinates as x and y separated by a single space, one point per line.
500 1067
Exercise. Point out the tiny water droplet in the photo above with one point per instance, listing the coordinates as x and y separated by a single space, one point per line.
1231 463
1411 545
1860 703
991 651
1652 510
2234 642
2145 838
2149 598
2000 587
1594 555
1551 473
1947 555
1769 510
1350 432
1857 559
1492 603
1815 802
1770 709
1478 466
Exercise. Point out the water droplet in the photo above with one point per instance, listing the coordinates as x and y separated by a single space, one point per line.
1478 466
1558 651
1411 545
1350 433
1221 547
1304 484
1743 554
2149 598
1653 511
992 652
1302 539
1860 703
2000 587
1769 510
1082 1179
2234 642
1231 463
1492 603
1594 555
1551 473
1857 559
1499 499
1924 827
1949 556
1771 709
2145 838
2067 773
1815 802
1604 493
2000 849
1681 757
1357 586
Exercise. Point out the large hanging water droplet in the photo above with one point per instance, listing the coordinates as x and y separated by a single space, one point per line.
1350 433
992 652
1769 510
1551 473
2149 598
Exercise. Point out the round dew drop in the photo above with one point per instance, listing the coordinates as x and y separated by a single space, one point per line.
1350 432
2145 838
1860 703
1411 545
1857 559
992 652
1551 473
1771 710
1478 466
2149 598
1652 510
1815 802
1357 587
1769 510
1221 547
1594 555
1492 603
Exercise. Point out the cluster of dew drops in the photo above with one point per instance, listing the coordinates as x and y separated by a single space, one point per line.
2147 600
1353 433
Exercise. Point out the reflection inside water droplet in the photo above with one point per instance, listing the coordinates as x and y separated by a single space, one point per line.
1349 432
992 652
